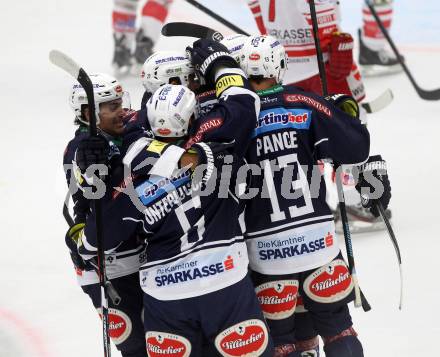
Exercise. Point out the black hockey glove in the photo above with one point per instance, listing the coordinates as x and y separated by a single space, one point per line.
346 103
373 184
71 239
92 150
207 55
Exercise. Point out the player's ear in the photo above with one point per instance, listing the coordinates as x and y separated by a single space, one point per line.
86 114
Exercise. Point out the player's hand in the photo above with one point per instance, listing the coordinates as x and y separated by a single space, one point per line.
340 59
189 159
71 239
207 55
346 103
92 150
374 185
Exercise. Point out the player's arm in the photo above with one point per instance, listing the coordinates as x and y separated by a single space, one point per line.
120 221
114 205
340 56
233 119
373 184
338 133
340 136
347 142
80 204
239 108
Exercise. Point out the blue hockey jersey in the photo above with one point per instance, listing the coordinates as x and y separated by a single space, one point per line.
290 227
128 256
190 222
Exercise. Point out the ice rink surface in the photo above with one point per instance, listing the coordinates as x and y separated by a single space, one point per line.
43 313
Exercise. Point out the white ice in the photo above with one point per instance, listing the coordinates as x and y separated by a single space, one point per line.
42 310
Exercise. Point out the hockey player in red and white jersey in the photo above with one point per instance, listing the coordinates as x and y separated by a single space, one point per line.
132 47
375 58
290 22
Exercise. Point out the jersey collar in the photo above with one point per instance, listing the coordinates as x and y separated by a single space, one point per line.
273 90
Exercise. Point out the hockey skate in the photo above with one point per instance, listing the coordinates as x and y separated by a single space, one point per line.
376 63
360 220
143 50
122 55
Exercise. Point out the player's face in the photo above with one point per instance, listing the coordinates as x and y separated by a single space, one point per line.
111 114
194 82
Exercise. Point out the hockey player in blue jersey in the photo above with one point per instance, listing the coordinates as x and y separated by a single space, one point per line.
290 229
125 324
195 280
165 67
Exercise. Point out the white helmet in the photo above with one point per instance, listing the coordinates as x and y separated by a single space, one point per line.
169 110
105 88
161 66
235 43
264 56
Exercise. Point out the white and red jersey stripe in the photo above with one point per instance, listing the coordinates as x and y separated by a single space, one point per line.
154 14
255 7
372 35
290 22
124 16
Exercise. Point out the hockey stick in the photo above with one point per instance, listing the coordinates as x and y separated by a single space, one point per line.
379 103
217 17
318 48
64 62
423 93
191 30
360 299
395 244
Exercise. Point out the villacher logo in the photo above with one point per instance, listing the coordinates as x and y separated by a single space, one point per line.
330 283
278 298
120 325
247 338
167 344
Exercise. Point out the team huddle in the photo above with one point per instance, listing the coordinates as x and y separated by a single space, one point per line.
216 230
